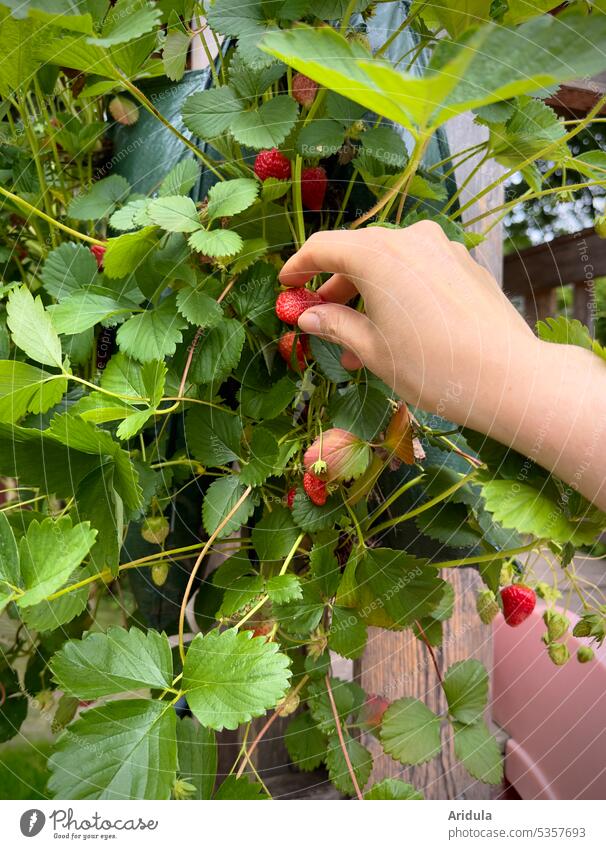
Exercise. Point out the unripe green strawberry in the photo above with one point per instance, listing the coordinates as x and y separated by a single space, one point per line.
159 573
557 624
585 654
155 529
558 653
600 226
486 605
183 789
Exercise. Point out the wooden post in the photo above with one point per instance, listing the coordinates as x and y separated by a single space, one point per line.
397 664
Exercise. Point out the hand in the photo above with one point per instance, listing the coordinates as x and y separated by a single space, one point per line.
437 328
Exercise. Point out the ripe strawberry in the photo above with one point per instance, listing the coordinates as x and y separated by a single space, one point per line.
292 303
262 629
272 163
304 90
290 497
315 488
518 603
313 187
285 346
98 251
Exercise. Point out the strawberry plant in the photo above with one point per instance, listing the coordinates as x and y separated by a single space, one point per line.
158 403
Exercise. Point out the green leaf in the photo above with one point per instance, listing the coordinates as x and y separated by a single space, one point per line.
531 511
153 334
283 588
360 409
125 253
304 614
345 695
231 197
127 21
263 456
85 309
267 126
221 497
198 756
198 307
240 789
338 770
241 594
311 517
254 297
176 214
478 751
9 556
328 356
135 753
68 268
251 81
305 743
100 200
216 243
131 215
392 788
128 377
466 689
532 127
218 352
320 138
209 113
213 436
347 634
181 178
98 502
410 731
386 146
50 615
49 553
78 53
27 389
31 327
230 677
174 54
569 331
274 534
118 661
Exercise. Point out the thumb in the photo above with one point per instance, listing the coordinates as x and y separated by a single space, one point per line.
345 326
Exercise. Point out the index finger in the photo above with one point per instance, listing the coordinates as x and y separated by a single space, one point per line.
337 251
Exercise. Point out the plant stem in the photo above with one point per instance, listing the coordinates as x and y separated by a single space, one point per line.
53 222
431 651
486 558
335 713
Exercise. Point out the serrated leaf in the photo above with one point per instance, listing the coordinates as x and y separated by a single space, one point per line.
221 497
320 138
49 552
198 756
216 243
466 689
100 200
268 125
274 534
32 329
127 21
240 789
27 389
10 573
98 502
360 409
218 352
304 614
305 743
209 113
282 589
50 615
180 179
198 307
174 54
135 753
345 694
262 459
131 215
392 788
137 382
386 146
231 197
338 770
347 635
311 517
68 268
125 253
153 334
230 678
254 297
410 731
118 661
85 309
243 593
176 214
328 356
213 436
478 751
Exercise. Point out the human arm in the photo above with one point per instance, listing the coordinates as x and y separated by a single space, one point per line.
439 330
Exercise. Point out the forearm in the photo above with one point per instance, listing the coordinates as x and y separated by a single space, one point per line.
552 408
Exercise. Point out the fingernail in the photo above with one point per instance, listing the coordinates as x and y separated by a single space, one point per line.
310 322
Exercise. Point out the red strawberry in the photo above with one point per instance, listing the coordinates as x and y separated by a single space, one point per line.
290 497
262 629
304 90
98 251
372 711
292 303
315 488
285 346
272 163
313 187
518 603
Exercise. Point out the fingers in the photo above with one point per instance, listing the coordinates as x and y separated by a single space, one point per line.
343 325
338 289
339 251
